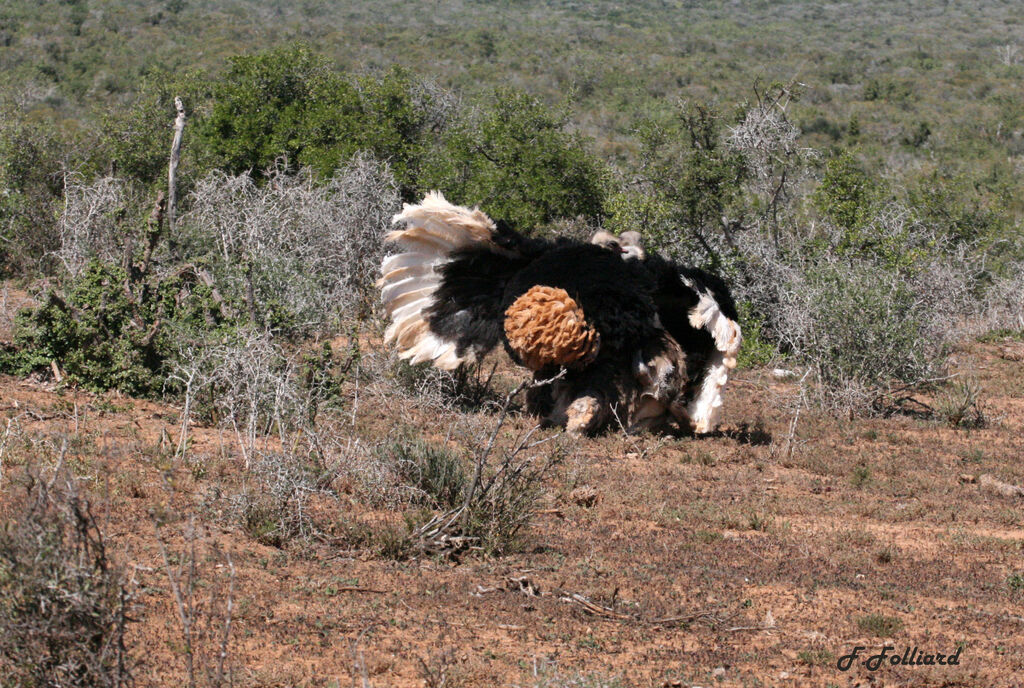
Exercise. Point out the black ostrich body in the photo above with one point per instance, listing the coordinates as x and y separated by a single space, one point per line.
667 335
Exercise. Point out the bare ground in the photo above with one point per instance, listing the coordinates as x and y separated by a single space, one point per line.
750 558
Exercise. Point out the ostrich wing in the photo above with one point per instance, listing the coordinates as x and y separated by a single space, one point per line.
444 289
697 309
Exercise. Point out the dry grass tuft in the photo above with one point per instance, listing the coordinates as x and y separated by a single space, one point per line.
64 602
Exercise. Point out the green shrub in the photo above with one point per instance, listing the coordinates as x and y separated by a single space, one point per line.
506 501
880 625
30 191
961 405
290 103
389 116
106 331
518 163
861 476
688 180
961 210
846 194
863 222
862 329
434 472
136 139
816 657
757 349
259 106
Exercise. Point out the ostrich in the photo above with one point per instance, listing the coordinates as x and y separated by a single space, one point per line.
641 340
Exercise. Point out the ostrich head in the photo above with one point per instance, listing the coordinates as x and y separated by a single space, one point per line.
632 245
629 244
607 240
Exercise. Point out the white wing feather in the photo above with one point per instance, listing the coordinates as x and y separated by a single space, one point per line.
707 315
431 231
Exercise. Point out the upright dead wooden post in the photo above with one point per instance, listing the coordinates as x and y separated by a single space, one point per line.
172 171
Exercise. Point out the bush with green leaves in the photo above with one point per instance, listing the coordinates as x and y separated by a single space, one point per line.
867 322
433 474
31 182
860 287
112 316
106 331
260 105
686 182
515 159
866 330
968 212
135 139
847 195
291 103
505 502
289 106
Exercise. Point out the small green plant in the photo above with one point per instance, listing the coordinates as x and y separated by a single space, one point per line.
961 406
494 506
886 555
708 536
259 519
704 458
816 657
1016 581
589 642
880 625
973 455
861 476
433 472
322 376
394 542
757 350
867 333
846 196
545 674
758 520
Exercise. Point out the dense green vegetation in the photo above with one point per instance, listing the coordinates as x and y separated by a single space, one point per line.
919 89
806 151
913 75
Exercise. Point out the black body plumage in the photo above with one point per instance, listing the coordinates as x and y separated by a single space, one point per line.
478 285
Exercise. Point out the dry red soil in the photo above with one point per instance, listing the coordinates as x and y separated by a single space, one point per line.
753 557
